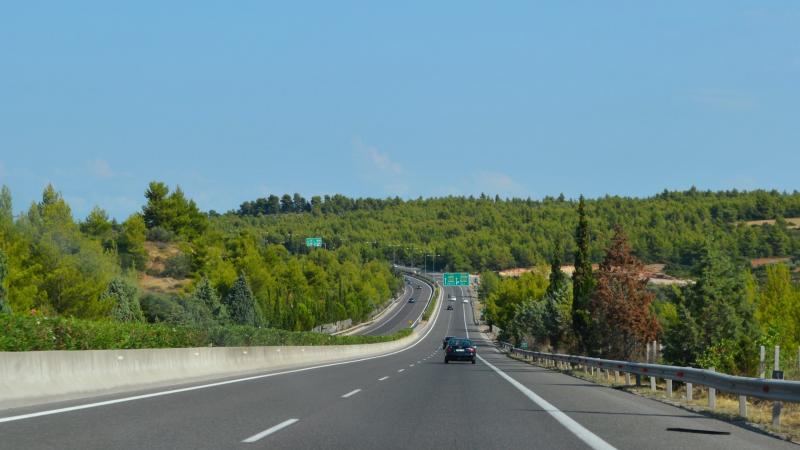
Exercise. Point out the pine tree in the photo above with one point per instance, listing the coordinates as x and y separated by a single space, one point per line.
205 294
241 303
126 307
583 281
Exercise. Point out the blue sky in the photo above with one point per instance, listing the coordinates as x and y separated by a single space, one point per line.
236 100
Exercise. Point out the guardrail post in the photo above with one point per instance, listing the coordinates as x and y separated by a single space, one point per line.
778 375
627 379
712 395
689 391
653 384
743 406
638 380
669 388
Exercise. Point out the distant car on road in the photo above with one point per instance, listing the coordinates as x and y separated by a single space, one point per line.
418 287
449 307
411 300
452 298
459 349
466 301
444 341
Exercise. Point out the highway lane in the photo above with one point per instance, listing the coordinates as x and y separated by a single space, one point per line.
410 399
405 313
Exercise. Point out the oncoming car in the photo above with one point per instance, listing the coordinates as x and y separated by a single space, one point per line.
459 349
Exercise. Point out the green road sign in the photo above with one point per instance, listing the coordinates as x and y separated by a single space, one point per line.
314 242
456 279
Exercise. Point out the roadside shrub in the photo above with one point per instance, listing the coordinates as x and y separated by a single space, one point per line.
33 333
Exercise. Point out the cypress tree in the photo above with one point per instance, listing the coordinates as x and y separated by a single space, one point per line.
205 294
583 282
242 304
4 308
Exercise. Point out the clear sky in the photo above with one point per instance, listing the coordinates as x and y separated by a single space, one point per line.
236 100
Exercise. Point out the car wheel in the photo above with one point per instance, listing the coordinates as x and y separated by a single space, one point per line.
446 360
473 360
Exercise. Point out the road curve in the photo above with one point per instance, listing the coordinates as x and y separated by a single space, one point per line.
405 313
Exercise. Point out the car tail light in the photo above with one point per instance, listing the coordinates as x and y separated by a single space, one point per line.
449 349
471 350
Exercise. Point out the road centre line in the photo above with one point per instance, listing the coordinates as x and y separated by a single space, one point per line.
216 384
384 378
400 370
351 393
268 431
592 440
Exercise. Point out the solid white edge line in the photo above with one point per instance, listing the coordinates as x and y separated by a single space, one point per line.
268 431
351 393
210 385
592 440
384 378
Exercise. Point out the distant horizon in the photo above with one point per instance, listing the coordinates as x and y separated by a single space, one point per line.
18 211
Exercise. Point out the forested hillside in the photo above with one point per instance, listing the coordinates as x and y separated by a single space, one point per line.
493 233
51 264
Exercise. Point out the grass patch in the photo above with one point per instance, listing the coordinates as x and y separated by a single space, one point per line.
432 305
31 333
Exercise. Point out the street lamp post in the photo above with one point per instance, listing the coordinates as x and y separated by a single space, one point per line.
434 262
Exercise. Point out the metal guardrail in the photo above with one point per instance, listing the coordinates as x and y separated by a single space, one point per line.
767 389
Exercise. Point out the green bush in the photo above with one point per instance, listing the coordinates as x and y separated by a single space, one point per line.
31 333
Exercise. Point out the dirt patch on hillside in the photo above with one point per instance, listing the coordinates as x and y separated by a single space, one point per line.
653 272
157 255
758 262
793 222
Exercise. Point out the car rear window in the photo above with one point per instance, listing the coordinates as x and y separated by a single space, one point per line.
460 343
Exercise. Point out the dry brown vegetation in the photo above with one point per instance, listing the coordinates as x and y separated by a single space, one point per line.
157 255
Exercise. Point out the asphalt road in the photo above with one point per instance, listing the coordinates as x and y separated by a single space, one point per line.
404 314
409 399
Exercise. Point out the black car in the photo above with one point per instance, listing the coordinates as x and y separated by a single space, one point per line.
411 300
449 307
459 349
444 341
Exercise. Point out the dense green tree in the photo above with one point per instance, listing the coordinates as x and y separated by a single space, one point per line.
130 243
124 299
205 294
241 304
6 206
4 308
173 212
583 282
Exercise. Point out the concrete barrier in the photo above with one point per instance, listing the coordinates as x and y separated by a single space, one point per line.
29 378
